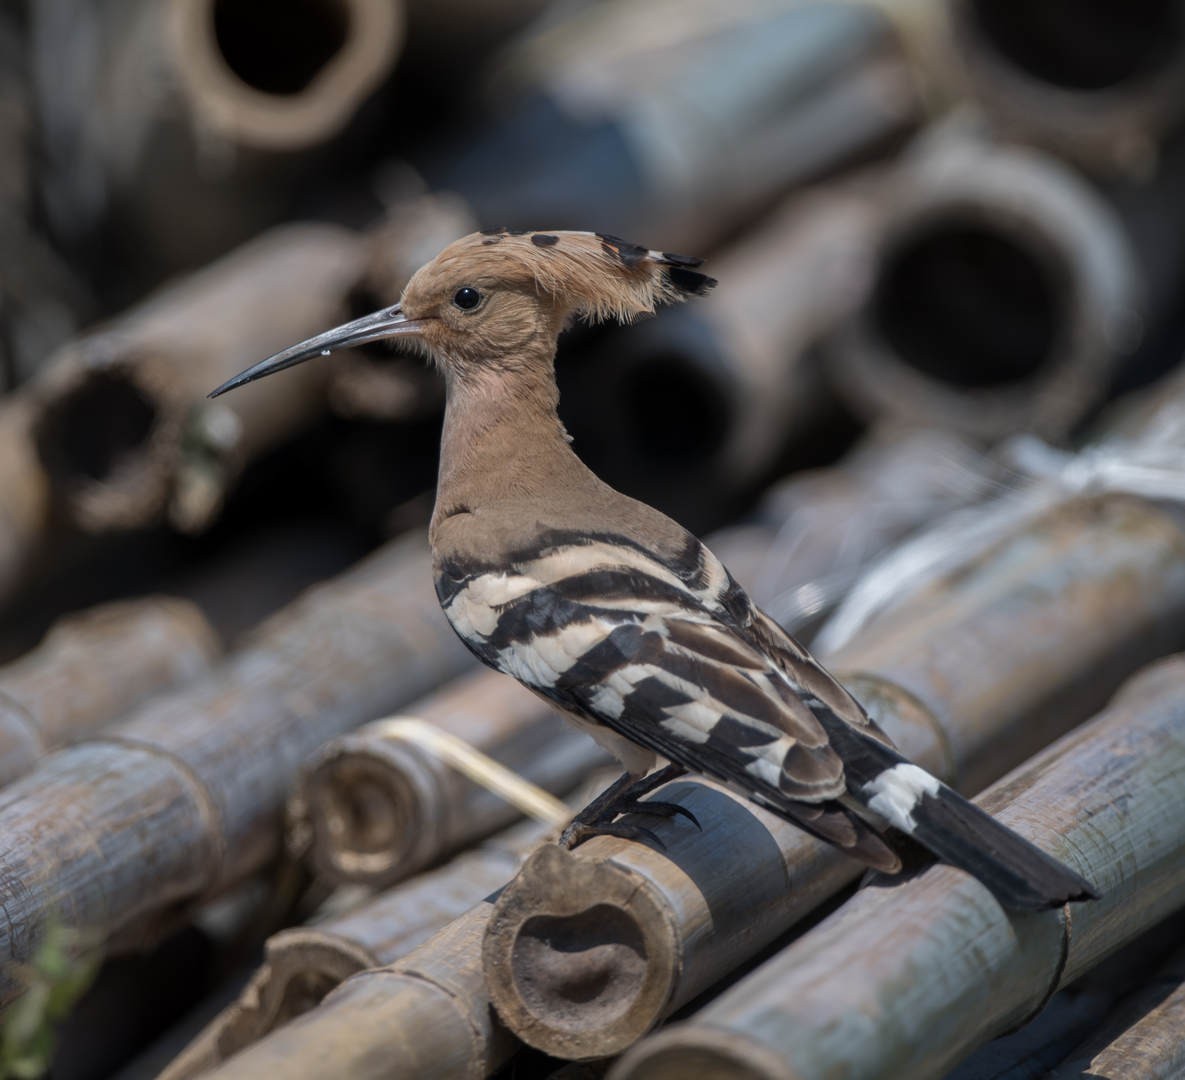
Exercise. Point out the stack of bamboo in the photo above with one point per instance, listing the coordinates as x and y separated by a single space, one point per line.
946 235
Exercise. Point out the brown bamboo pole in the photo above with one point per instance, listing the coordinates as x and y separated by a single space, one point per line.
425 1015
188 126
303 964
185 797
1143 1039
942 967
1102 85
1004 291
724 389
371 809
1001 655
91 669
813 533
122 428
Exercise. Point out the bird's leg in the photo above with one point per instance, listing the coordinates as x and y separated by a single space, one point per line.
623 796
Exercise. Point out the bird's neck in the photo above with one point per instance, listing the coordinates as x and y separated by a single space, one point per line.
503 440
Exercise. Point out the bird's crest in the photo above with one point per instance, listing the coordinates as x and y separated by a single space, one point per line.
596 275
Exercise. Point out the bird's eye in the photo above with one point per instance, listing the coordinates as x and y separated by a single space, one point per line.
467 298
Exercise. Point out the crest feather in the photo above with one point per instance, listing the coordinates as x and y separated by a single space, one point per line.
597 275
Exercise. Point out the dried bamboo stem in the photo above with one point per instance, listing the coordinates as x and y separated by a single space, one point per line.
784 95
370 809
303 964
1025 235
425 1015
999 657
121 425
740 366
1100 86
225 109
1142 1039
185 797
942 966
94 667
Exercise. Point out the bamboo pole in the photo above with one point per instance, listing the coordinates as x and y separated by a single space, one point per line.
799 552
372 809
91 669
1005 290
303 964
185 797
122 428
588 949
942 967
1142 1039
714 394
188 126
425 1015
1102 86
599 122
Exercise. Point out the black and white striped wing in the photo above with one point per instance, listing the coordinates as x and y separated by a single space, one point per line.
608 631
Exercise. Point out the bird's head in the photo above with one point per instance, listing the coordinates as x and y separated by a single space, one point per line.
494 299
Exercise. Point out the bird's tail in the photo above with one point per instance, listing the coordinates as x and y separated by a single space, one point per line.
1020 874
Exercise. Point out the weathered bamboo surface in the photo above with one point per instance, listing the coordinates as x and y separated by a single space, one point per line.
1144 1039
813 533
92 668
303 964
200 105
372 809
727 386
425 1015
999 657
942 967
185 797
929 345
1101 87
599 122
121 429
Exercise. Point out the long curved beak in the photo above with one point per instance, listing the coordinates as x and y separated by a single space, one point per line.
387 323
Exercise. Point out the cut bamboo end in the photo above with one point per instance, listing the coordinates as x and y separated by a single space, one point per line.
587 950
366 809
120 422
282 88
373 807
943 967
92 668
1043 243
1102 87
426 1015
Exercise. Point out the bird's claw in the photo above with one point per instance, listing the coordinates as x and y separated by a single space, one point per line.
577 832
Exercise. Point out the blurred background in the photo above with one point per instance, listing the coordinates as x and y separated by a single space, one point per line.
943 230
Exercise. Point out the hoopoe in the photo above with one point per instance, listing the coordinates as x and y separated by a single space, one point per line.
612 611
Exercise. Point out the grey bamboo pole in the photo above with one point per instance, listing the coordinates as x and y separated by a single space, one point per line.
1143 1039
91 669
426 1015
588 949
303 964
941 966
223 109
744 368
371 809
1101 85
185 797
1005 290
121 427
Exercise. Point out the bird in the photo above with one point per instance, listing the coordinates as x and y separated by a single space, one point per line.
613 612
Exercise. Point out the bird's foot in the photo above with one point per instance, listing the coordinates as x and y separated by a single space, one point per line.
599 818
